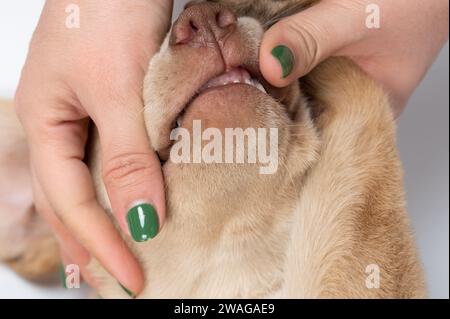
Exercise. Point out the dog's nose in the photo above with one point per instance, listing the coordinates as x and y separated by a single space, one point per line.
203 24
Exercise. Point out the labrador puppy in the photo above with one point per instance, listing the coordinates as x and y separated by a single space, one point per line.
327 221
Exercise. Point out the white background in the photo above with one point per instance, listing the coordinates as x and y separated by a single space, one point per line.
423 143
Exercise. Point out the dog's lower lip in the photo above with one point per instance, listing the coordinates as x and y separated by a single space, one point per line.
234 76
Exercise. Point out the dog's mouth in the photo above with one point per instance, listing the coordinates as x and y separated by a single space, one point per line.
221 111
232 77
225 90
235 76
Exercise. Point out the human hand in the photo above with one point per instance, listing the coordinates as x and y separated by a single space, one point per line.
94 72
397 55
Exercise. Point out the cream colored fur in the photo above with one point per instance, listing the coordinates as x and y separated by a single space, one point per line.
335 206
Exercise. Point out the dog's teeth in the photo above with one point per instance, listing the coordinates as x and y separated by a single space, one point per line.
255 83
260 87
179 121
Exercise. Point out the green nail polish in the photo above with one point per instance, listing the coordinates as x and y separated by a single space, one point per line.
62 275
127 291
143 222
286 58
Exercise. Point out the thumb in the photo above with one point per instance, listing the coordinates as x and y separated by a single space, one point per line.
131 170
296 44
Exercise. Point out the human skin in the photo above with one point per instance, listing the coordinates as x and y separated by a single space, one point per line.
397 55
93 72
96 72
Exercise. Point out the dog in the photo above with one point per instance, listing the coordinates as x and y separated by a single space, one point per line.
323 225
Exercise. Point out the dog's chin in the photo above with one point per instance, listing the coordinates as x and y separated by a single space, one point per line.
230 106
235 106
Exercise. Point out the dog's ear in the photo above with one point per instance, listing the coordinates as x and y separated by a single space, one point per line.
26 243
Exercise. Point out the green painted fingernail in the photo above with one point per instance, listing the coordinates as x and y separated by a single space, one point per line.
285 56
127 291
143 222
62 275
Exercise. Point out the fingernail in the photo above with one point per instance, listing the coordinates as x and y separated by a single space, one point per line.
285 56
127 291
62 275
143 222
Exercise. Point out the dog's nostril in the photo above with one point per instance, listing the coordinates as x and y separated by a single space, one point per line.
193 26
184 33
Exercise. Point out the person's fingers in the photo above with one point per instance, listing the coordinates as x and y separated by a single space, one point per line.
296 44
68 186
131 169
65 258
71 251
67 263
43 207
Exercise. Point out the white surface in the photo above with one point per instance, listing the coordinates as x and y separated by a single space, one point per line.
423 144
423 139
13 287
